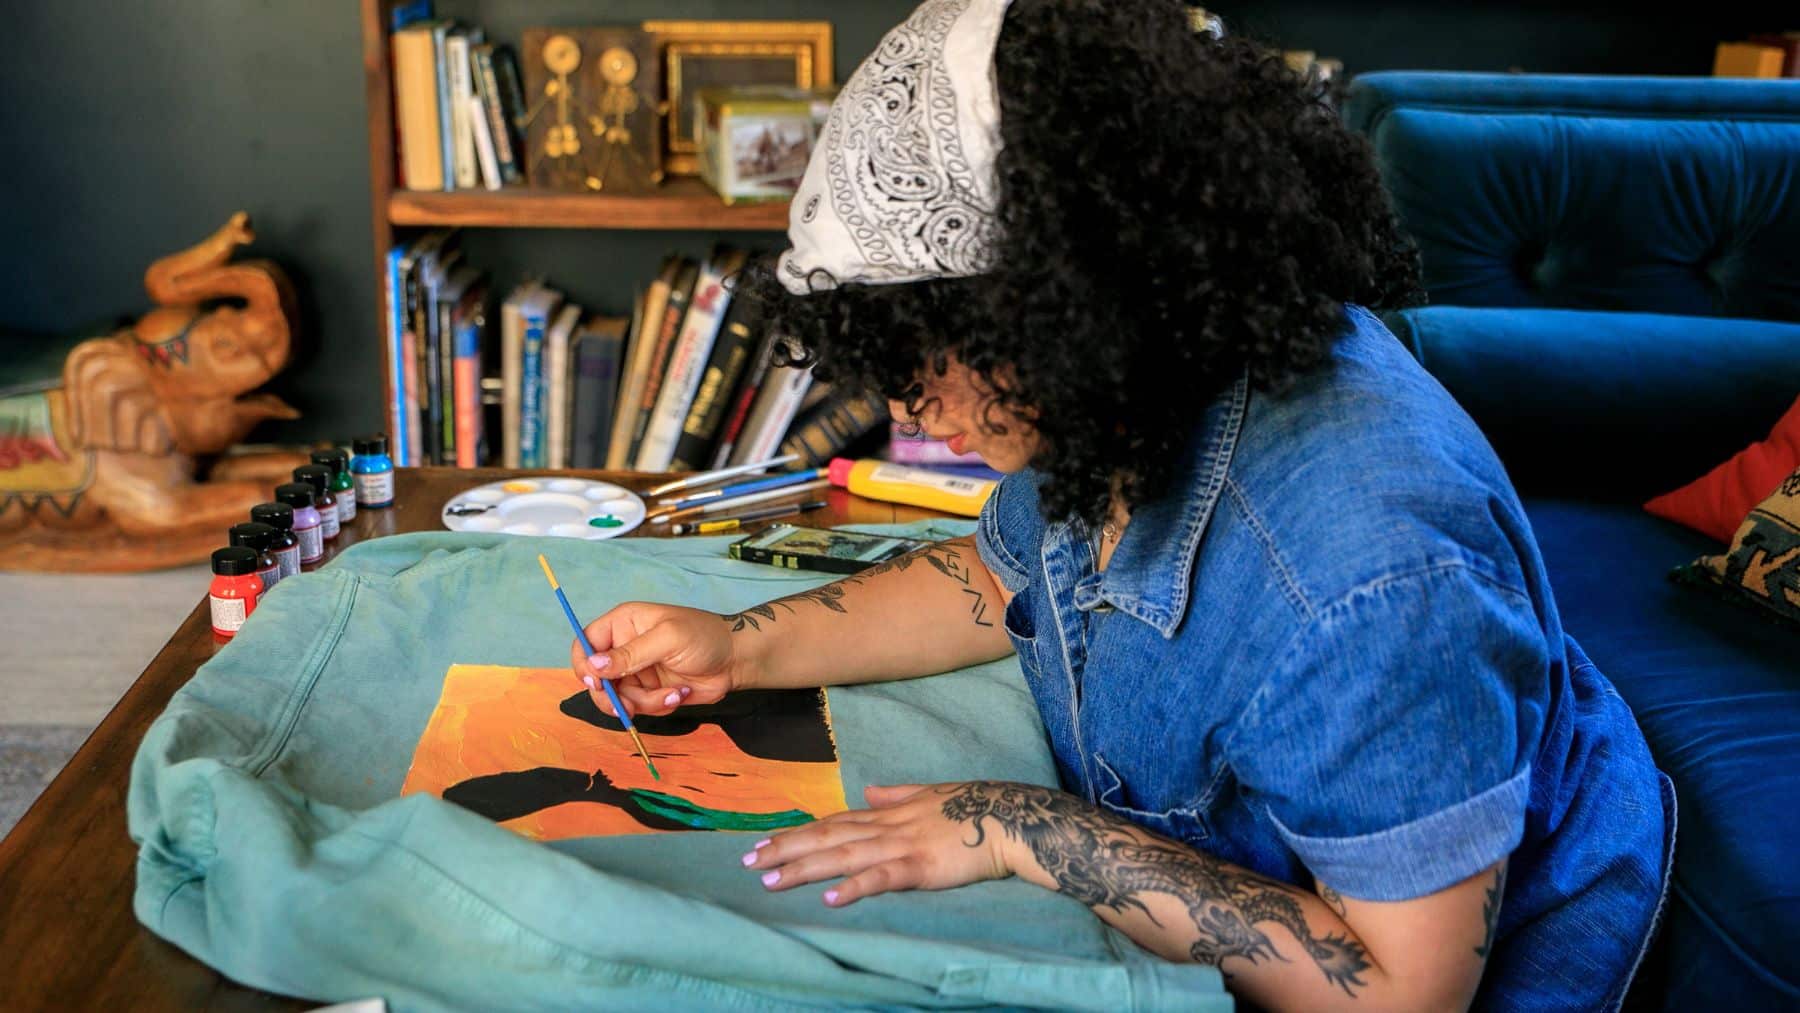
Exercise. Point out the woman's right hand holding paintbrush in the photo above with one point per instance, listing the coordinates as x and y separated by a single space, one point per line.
660 656
931 611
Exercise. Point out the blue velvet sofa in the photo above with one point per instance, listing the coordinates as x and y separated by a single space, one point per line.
1613 267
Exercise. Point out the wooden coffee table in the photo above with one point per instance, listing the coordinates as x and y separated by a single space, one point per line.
68 938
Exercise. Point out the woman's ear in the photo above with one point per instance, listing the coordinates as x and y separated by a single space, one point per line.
111 403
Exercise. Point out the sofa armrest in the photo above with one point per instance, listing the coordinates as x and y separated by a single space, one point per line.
1611 405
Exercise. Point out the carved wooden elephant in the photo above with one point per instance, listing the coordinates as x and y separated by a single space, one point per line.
99 474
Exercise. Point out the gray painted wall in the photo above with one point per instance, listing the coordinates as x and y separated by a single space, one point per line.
136 128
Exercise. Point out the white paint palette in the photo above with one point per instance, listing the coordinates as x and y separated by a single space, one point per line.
558 507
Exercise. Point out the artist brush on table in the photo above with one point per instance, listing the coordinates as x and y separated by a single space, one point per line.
734 522
742 488
716 506
586 645
709 477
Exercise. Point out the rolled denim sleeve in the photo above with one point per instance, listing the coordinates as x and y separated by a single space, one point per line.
1392 748
1010 515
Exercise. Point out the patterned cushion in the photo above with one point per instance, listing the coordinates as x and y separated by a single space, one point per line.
1763 563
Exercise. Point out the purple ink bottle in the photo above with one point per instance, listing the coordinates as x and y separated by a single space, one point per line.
307 527
320 479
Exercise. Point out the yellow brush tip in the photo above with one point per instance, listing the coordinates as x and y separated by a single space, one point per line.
545 563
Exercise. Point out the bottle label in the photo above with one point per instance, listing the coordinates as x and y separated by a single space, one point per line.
269 577
289 559
312 543
328 522
957 485
375 488
346 507
227 613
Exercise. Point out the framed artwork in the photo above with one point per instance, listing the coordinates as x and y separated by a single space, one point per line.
711 54
592 119
530 751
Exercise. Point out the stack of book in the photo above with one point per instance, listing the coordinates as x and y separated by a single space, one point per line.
458 103
689 381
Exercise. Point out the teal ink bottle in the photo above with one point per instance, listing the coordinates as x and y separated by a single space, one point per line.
374 471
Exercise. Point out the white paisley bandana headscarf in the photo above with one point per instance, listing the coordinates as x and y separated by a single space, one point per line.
901 186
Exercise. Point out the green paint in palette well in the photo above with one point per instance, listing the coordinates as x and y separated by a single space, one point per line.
701 818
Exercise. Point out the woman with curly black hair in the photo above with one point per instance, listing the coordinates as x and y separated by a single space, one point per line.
1297 657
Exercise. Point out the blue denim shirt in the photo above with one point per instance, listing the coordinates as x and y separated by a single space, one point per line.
1330 651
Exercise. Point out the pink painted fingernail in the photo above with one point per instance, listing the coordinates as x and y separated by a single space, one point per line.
750 859
831 896
759 845
672 699
591 684
600 662
685 690
771 878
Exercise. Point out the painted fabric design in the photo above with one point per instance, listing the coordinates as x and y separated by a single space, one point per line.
901 187
523 748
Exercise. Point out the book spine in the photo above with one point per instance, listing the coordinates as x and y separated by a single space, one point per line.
409 12
531 393
640 343
447 369
456 56
659 361
733 426
512 353
556 389
833 426
790 389
597 360
686 363
446 130
415 111
487 85
467 376
394 290
431 367
706 417
512 101
484 145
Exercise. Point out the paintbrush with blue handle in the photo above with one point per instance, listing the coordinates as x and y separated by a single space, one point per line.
611 694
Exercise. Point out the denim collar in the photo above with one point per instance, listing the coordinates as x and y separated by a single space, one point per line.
1151 571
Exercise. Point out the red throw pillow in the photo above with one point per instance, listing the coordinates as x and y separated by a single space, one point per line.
1717 503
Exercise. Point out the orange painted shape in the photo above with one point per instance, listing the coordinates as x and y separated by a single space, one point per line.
493 719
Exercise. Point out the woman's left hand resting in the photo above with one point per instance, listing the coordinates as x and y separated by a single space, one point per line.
1280 946
902 841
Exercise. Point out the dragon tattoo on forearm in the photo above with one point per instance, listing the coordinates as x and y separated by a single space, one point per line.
1106 862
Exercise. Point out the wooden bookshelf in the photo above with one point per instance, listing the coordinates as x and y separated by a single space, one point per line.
678 204
683 203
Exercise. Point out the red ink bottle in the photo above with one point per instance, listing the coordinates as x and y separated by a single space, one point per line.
235 589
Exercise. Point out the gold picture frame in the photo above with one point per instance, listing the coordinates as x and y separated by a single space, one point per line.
701 54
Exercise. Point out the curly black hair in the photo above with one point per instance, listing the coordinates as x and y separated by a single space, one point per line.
1173 209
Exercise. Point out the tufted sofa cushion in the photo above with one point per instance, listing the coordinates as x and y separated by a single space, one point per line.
1660 195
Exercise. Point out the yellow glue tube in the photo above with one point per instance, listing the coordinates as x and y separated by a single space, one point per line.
897 483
